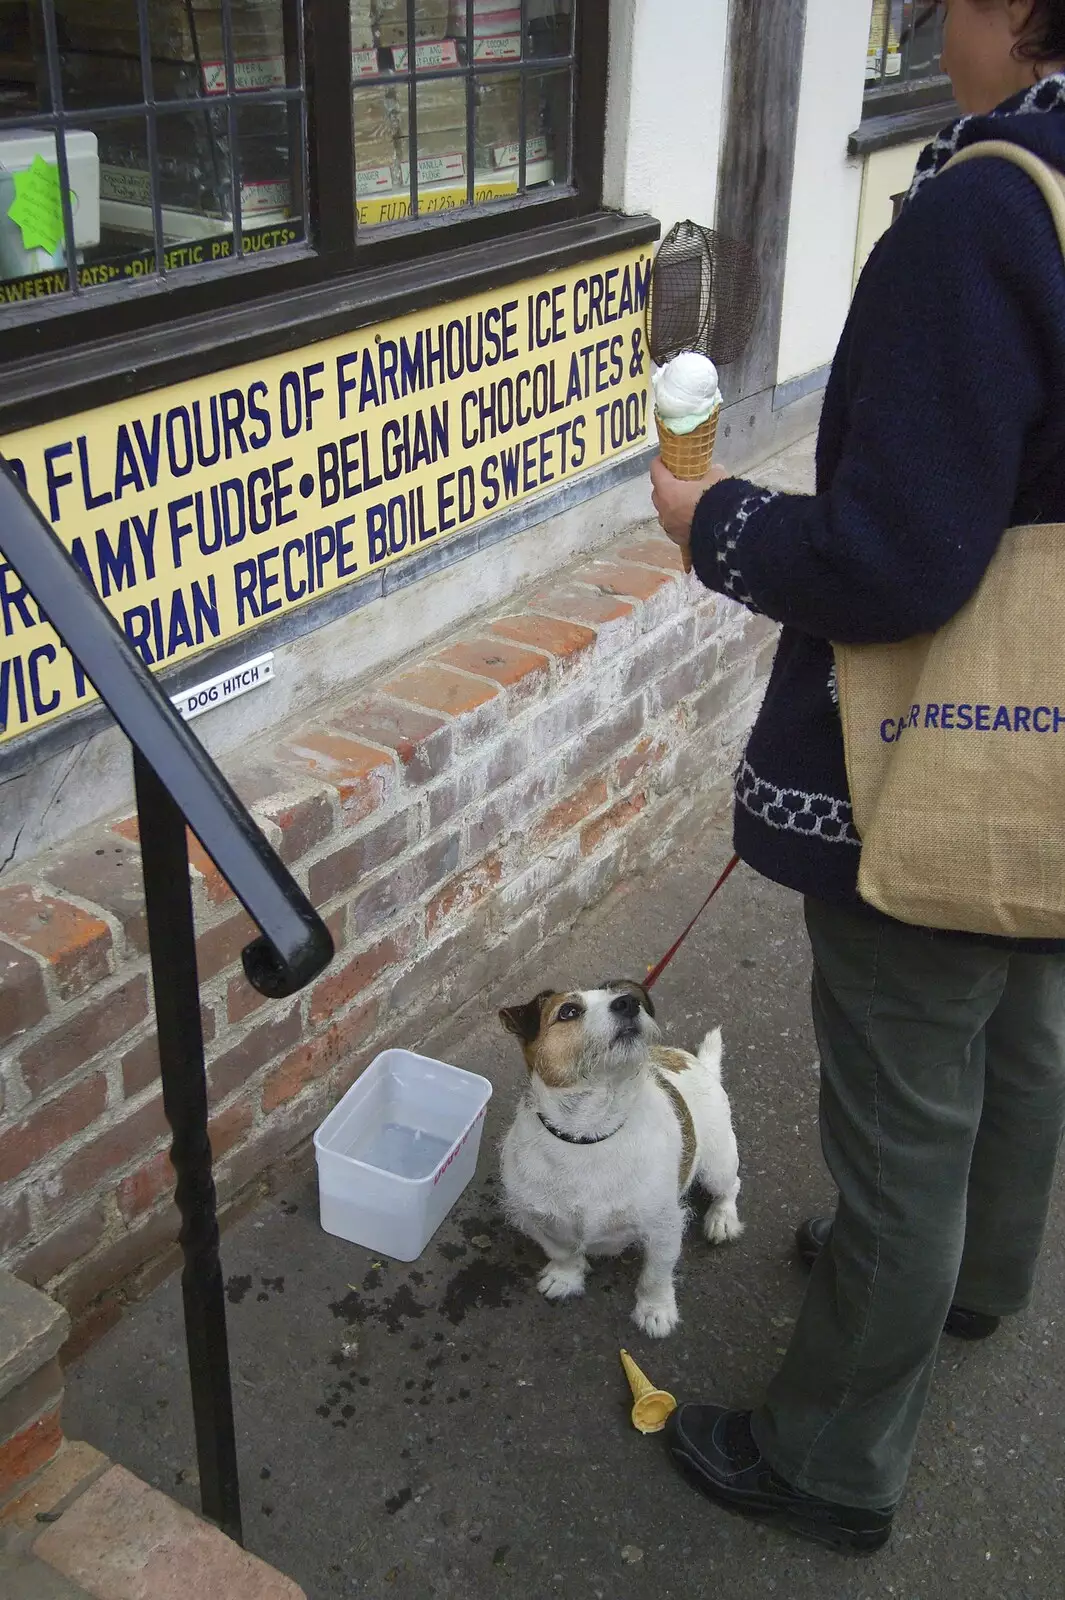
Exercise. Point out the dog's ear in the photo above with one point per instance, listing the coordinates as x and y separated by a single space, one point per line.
525 1020
630 986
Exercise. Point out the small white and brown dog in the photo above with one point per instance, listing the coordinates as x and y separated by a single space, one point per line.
612 1132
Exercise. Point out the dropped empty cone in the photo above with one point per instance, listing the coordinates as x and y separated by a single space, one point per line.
651 1406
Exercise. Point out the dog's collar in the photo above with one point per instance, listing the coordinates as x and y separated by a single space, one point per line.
578 1138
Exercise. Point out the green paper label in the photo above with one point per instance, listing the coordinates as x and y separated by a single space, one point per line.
38 208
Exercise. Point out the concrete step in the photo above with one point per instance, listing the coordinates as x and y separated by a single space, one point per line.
122 1540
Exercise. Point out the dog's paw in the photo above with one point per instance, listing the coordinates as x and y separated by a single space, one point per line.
561 1283
656 1318
722 1224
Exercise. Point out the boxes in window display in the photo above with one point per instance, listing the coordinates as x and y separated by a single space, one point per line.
390 18
194 175
382 136
362 32
496 28
100 47
374 123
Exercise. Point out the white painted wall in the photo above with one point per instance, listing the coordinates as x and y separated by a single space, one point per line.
827 190
887 173
664 108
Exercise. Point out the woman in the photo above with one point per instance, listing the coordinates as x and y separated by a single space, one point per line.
942 1055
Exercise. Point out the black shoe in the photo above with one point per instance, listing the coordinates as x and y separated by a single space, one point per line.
812 1237
962 1324
715 1449
815 1233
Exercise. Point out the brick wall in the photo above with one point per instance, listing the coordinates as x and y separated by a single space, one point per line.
456 812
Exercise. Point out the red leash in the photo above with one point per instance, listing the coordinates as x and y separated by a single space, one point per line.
656 972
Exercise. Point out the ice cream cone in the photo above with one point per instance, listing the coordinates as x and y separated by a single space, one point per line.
651 1406
688 455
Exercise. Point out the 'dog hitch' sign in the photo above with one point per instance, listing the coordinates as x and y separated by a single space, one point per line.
199 511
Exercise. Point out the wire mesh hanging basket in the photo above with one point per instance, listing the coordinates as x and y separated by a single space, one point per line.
704 295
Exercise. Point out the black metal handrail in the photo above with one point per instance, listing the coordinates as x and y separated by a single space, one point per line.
178 783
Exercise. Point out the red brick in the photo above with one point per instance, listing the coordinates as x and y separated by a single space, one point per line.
242 999
228 1128
258 1047
463 892
108 874
90 1327
218 948
648 754
304 823
51 1125
564 640
505 664
507 813
22 1457
427 987
109 1152
140 1066
138 1192
565 816
316 1058
215 887
619 578
61 1247
605 739
76 945
622 812
274 1141
340 871
575 603
107 1267
438 688
656 551
23 1001
41 1392
359 774
338 988
294 814
395 892
14 1222
93 1028
678 682
421 740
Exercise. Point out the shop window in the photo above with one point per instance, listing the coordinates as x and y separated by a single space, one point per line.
474 109
140 140
229 148
902 70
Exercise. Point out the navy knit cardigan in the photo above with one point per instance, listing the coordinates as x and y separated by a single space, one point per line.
943 424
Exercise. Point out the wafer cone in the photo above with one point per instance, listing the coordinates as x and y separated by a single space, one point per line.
651 1406
688 455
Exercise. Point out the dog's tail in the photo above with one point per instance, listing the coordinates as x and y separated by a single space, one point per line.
709 1055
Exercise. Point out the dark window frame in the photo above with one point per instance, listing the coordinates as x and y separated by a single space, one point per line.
112 316
903 95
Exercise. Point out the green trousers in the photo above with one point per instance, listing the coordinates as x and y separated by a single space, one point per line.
942 1108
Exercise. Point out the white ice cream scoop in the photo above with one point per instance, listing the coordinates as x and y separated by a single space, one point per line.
686 390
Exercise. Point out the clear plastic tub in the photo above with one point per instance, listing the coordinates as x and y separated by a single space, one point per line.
397 1151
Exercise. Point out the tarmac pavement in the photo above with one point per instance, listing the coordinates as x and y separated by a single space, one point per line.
439 1430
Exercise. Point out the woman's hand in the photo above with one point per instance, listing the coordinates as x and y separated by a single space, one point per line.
675 500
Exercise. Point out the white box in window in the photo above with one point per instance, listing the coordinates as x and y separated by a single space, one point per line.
17 150
372 180
435 168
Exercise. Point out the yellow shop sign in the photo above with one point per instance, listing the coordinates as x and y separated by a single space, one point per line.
199 511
